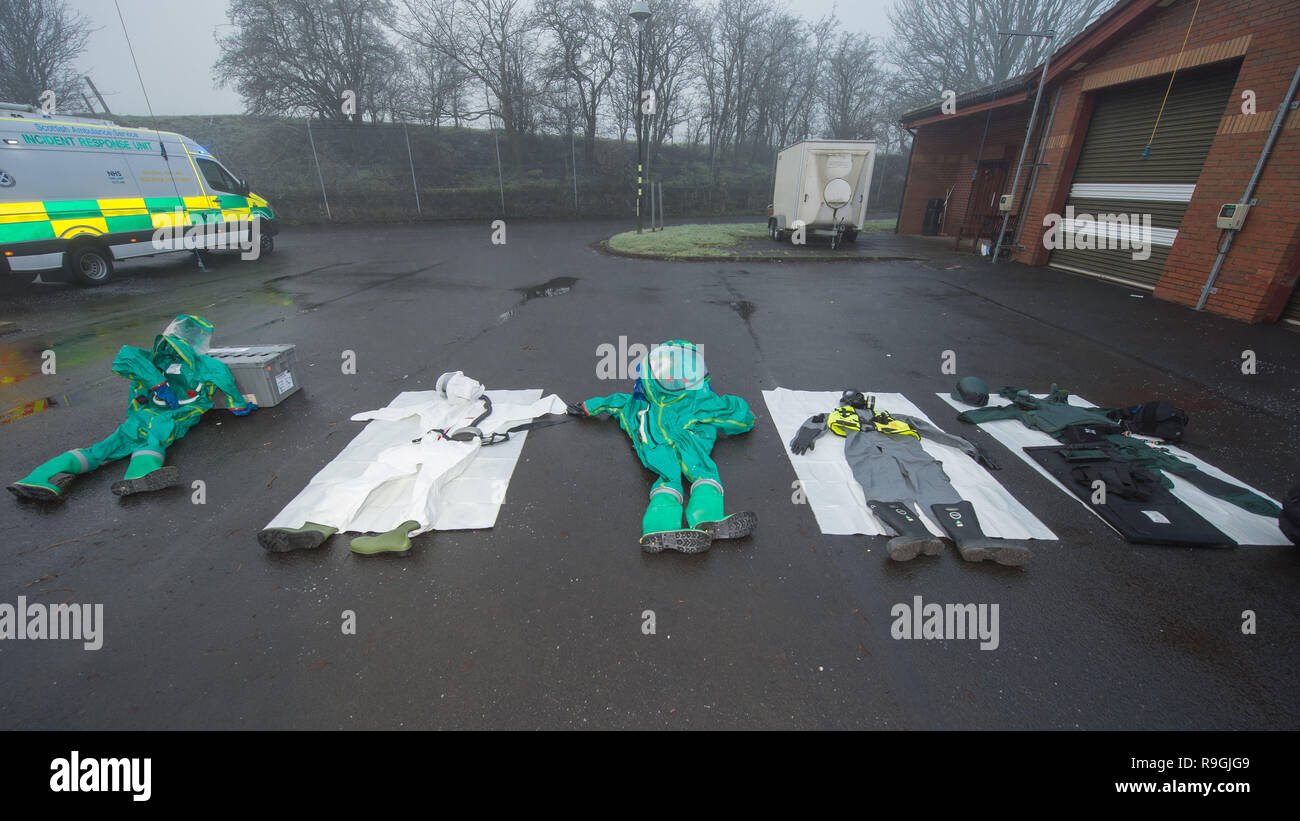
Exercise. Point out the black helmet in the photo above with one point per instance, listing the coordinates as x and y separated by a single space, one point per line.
854 399
972 391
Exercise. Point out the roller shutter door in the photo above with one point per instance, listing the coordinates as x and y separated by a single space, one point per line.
1114 180
1291 313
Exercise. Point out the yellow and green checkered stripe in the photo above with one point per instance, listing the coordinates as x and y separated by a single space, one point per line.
64 219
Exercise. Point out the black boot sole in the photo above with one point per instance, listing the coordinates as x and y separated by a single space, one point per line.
30 493
1012 555
164 477
283 541
683 541
735 526
906 548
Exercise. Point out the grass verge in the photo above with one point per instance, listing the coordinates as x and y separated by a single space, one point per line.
688 240
720 241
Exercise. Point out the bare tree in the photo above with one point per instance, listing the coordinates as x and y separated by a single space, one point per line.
954 44
437 88
39 42
790 76
492 41
670 58
301 56
800 119
584 53
850 90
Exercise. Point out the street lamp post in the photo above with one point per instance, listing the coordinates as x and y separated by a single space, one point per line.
641 14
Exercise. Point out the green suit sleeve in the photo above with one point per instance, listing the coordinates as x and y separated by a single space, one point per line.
218 374
136 363
731 416
619 405
614 404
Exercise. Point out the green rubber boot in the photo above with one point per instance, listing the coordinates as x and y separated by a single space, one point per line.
661 527
146 472
284 539
704 512
46 483
396 541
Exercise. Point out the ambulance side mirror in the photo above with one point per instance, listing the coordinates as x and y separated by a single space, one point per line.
243 188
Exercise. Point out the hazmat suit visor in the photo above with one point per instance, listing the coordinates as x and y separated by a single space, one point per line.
195 331
675 368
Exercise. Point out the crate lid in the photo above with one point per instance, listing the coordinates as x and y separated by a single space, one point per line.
249 352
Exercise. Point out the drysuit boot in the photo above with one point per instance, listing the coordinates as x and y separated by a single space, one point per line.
46 483
397 541
284 539
913 536
661 527
704 512
963 526
146 472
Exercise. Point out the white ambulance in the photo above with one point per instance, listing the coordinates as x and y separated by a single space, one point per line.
78 195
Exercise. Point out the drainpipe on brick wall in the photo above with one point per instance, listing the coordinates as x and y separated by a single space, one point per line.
907 175
1282 112
1050 34
1033 177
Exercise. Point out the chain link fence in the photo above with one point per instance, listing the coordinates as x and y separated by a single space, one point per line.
344 172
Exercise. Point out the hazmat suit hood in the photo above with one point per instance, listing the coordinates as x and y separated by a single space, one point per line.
670 371
194 331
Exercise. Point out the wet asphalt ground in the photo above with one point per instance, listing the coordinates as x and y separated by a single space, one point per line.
537 623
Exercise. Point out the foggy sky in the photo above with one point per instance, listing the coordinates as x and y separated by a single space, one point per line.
175 44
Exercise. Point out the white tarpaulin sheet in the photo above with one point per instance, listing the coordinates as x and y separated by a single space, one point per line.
381 479
1242 526
836 498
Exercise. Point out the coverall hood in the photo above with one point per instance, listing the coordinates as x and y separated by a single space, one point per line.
672 370
194 331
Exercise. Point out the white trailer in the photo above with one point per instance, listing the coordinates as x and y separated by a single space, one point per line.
821 186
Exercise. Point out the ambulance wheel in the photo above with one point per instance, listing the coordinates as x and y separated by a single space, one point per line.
89 266
266 245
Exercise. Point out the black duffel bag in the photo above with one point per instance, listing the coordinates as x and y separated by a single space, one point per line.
1158 418
1289 521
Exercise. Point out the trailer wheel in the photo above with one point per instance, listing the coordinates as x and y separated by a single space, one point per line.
89 266
851 235
772 232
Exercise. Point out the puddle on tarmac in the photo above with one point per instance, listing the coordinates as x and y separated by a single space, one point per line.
558 286
743 307
21 362
554 287
32 408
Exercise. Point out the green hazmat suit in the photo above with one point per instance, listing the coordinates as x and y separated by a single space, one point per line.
673 418
174 368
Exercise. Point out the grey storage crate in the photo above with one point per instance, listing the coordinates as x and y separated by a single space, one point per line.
264 374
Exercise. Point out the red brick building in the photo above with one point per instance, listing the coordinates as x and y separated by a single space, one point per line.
1143 165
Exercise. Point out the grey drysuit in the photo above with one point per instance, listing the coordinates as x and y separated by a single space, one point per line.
893 467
